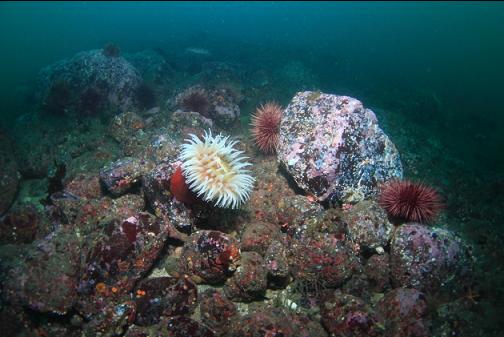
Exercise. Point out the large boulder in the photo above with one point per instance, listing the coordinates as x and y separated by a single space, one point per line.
334 149
430 259
89 83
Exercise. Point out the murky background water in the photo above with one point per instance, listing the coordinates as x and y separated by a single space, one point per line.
439 64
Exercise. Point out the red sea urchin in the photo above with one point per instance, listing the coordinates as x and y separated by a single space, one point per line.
266 126
407 201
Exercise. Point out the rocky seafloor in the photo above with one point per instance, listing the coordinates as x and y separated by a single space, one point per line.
94 244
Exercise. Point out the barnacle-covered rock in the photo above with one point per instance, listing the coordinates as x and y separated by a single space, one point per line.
429 259
368 225
177 326
377 271
211 256
156 187
265 322
118 259
258 235
349 316
164 296
127 129
322 262
333 147
269 193
84 215
250 279
181 326
216 104
277 264
403 312
217 311
122 175
112 319
184 123
86 186
46 280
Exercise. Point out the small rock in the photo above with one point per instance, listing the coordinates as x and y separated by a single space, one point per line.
183 327
217 312
46 281
322 262
19 225
429 259
250 279
260 323
258 236
118 259
164 296
277 264
404 312
210 255
368 225
84 186
127 130
347 315
122 175
377 270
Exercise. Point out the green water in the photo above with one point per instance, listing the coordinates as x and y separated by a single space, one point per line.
447 55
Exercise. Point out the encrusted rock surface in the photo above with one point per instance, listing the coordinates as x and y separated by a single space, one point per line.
211 256
47 279
89 83
429 259
122 175
250 279
217 104
368 225
217 311
164 296
404 312
349 316
118 259
333 147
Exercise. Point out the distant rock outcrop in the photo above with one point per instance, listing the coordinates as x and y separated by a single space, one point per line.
89 83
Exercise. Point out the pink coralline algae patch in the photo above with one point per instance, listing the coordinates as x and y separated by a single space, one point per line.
334 149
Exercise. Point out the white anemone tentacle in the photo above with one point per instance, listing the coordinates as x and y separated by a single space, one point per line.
215 170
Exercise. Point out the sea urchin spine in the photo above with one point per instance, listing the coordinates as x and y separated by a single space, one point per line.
215 170
409 201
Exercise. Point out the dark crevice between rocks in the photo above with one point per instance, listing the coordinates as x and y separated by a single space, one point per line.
39 319
292 183
55 184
